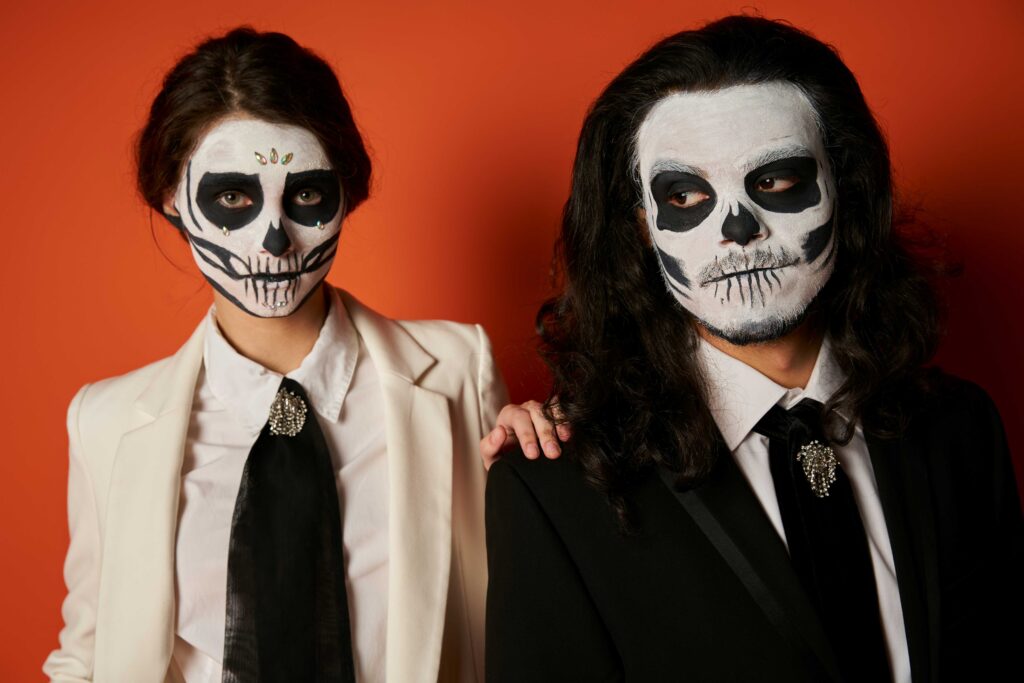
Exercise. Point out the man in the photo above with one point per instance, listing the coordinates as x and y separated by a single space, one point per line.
763 482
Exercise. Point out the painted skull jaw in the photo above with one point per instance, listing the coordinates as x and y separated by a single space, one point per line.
740 202
261 208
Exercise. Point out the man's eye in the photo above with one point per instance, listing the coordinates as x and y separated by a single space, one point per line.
233 200
687 200
308 197
779 183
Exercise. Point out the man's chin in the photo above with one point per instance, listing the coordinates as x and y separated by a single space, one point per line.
755 331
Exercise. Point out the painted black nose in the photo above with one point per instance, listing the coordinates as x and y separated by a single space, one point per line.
276 241
740 228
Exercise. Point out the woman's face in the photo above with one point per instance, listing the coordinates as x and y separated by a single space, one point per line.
261 208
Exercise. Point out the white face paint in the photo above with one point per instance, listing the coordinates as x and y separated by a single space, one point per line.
740 199
262 210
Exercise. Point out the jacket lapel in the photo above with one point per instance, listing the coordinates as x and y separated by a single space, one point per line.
899 469
135 620
419 445
725 508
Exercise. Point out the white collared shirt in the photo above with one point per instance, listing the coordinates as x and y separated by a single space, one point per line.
739 396
230 406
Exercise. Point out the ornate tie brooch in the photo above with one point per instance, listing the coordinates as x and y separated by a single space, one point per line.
819 463
287 414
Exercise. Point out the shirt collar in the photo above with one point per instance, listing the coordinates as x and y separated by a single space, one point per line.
739 396
247 388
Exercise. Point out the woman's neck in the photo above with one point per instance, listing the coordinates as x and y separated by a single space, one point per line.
787 361
278 344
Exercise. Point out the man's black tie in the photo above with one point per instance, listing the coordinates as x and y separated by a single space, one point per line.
287 612
827 543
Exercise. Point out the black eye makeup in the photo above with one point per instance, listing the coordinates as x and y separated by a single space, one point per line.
684 200
230 200
785 186
312 197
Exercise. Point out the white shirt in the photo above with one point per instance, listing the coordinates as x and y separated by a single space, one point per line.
230 406
739 396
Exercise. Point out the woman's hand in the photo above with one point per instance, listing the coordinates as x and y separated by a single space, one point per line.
526 424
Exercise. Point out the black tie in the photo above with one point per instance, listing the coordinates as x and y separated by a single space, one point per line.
827 543
287 612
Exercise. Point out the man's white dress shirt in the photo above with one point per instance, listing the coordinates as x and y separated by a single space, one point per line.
739 396
230 406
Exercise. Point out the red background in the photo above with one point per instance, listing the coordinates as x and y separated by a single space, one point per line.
471 111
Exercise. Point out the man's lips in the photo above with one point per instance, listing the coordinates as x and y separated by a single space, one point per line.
741 273
762 263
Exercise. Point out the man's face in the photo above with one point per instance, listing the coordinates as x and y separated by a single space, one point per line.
740 201
262 210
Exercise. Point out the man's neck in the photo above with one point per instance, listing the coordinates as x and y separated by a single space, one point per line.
787 361
278 344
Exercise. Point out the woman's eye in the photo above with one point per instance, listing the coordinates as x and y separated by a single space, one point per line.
776 183
687 200
233 200
308 197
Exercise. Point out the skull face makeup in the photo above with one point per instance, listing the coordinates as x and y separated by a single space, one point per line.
740 200
262 210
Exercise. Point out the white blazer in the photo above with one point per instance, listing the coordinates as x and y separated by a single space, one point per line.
442 392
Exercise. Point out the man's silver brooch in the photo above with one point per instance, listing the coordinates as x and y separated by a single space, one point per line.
819 462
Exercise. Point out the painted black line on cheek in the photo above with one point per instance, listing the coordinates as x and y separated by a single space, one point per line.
817 240
220 252
314 258
757 278
728 290
673 267
188 196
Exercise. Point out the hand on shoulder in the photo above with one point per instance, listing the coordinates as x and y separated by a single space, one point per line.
527 425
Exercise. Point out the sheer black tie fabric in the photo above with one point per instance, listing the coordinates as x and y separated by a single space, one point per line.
827 544
287 612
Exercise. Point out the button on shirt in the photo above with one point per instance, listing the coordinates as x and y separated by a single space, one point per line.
739 396
230 406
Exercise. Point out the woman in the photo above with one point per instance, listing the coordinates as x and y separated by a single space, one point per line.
209 492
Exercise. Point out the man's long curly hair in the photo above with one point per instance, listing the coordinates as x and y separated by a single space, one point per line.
621 349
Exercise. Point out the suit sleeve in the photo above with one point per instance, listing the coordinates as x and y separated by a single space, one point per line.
73 660
1008 540
492 392
541 623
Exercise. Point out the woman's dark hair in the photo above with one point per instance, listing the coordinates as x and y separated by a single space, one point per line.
266 75
622 351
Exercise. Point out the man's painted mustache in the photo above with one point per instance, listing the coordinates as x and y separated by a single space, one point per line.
759 263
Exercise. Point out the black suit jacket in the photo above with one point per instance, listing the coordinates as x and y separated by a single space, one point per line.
704 590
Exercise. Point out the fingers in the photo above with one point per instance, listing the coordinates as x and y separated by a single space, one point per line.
527 425
543 430
493 444
562 427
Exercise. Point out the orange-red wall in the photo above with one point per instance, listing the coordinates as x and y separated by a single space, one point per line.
472 111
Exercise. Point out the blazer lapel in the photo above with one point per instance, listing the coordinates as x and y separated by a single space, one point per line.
727 511
135 620
419 444
899 470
